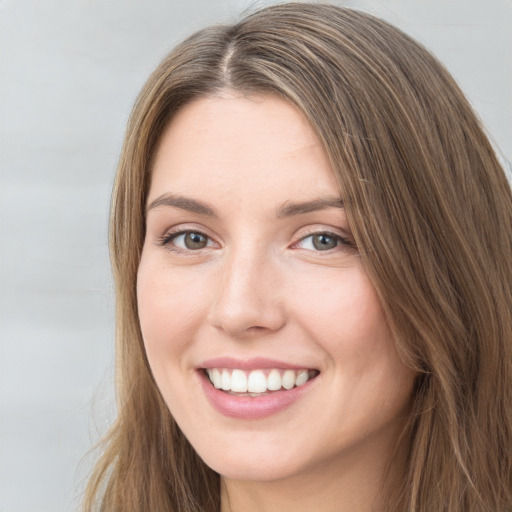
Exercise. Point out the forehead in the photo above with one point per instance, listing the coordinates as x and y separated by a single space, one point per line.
238 146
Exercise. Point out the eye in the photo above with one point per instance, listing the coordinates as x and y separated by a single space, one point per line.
322 242
187 241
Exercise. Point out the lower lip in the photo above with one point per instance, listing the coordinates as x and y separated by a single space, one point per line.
251 408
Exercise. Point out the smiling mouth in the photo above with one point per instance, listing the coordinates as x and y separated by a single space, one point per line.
258 382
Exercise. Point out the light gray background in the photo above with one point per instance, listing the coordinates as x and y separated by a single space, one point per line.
69 72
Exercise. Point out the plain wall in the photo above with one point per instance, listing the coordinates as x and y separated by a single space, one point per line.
69 73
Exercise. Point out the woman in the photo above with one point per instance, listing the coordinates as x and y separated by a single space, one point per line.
311 241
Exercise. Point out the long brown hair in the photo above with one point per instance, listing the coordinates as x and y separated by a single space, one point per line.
431 212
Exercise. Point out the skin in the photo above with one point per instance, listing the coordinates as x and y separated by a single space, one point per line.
260 287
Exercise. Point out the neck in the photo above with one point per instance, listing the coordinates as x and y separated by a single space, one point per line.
361 481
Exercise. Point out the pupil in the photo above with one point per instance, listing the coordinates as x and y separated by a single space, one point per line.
324 242
195 241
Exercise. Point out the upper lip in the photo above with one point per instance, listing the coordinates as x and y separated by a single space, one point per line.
255 363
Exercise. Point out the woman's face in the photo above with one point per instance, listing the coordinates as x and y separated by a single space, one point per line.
250 278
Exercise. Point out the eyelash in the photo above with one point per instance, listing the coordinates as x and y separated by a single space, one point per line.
167 239
343 243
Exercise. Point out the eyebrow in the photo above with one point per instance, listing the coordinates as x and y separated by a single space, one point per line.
184 203
287 209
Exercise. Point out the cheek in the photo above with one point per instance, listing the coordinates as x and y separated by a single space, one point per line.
346 320
342 312
170 305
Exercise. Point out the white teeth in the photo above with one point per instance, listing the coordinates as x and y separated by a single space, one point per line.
256 382
302 377
225 382
216 378
238 381
274 380
288 379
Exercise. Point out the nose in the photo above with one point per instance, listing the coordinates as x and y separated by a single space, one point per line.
249 300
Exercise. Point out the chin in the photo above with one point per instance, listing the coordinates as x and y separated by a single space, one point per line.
251 470
253 461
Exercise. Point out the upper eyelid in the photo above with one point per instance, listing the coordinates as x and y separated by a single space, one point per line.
170 234
319 229
187 228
